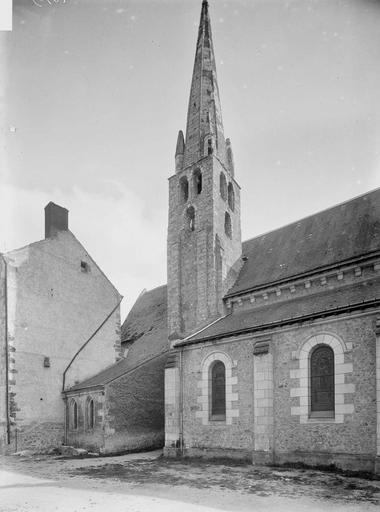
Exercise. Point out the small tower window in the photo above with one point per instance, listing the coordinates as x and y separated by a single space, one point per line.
223 185
184 189
197 177
227 225
209 147
190 217
231 197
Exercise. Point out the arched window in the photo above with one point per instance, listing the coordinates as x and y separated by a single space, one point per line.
197 178
90 414
223 185
218 391
322 388
231 197
74 414
227 225
184 189
190 217
209 147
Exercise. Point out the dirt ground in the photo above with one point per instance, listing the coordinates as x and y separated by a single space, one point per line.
148 482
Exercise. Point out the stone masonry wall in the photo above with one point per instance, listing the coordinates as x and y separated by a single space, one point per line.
357 434
84 437
350 443
134 408
236 434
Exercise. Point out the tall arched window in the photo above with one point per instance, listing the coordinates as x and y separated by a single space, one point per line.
209 147
231 197
227 225
322 387
223 185
90 414
74 415
184 189
190 218
197 179
218 391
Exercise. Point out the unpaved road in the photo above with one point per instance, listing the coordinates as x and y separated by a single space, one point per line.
148 482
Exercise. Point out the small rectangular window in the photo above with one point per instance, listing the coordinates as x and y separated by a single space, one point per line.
84 266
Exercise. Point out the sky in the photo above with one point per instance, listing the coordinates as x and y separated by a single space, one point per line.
93 93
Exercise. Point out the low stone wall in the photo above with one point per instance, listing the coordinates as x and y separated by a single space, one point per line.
39 437
134 408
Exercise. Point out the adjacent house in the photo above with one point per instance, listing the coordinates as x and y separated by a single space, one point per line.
59 324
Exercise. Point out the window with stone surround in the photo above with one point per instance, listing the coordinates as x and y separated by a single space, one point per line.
322 399
184 189
321 389
218 391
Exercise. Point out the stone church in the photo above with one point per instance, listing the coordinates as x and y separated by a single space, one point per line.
275 341
266 350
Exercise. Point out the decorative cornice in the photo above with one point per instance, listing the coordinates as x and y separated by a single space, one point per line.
360 262
339 274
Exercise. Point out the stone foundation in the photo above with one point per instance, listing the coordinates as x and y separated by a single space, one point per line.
219 453
344 461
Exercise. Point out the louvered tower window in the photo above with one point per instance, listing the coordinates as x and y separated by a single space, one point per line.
322 387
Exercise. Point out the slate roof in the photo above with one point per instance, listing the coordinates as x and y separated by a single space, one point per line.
343 232
290 311
146 326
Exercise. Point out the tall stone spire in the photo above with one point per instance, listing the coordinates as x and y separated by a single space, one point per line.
204 130
204 235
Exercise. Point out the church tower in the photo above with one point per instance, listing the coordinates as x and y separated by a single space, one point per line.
204 235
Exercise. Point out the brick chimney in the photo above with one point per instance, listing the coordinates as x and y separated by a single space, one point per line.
56 219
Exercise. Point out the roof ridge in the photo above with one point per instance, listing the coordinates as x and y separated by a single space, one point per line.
313 214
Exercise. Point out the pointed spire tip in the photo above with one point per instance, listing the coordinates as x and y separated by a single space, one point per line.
180 148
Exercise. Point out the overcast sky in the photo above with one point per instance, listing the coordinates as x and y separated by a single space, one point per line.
95 92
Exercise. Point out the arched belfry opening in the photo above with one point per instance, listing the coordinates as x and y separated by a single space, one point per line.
184 189
197 181
223 186
231 197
